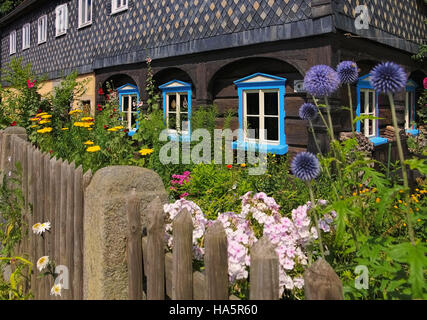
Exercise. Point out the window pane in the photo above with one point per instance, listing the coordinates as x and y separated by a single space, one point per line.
89 10
83 14
172 102
184 121
271 103
125 104
134 104
272 126
371 102
183 102
253 103
172 121
253 127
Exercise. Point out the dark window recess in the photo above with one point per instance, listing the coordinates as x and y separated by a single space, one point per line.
271 103
253 128
252 103
272 127
86 106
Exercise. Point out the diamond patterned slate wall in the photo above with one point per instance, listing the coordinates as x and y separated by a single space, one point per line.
147 24
402 18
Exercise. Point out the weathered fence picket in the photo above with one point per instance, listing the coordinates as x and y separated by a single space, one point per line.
216 262
264 270
155 257
134 249
182 277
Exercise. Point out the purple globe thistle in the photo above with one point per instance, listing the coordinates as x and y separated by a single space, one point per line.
388 77
321 81
308 111
305 166
348 72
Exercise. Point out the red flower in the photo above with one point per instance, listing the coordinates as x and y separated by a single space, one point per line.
114 110
229 166
13 124
50 151
425 83
39 111
105 126
107 97
111 90
100 91
125 130
99 108
31 84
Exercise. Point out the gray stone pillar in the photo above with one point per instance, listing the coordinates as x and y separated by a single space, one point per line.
106 226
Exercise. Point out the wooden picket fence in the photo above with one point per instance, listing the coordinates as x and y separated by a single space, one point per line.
53 191
156 275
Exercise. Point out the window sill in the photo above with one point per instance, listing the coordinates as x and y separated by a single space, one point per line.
279 149
84 25
413 132
23 49
377 141
11 54
41 42
118 10
60 34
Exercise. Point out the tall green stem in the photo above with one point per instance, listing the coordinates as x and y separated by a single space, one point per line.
328 111
316 220
402 162
350 99
314 137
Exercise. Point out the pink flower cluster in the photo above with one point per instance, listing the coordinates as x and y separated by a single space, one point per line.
259 216
199 224
181 178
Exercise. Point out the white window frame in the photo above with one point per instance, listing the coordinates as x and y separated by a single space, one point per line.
262 130
26 36
85 7
369 126
409 108
118 8
129 113
177 111
12 42
42 29
61 22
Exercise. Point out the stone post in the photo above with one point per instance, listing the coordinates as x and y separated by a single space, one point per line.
106 227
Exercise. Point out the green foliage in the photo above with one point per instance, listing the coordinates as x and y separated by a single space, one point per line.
15 287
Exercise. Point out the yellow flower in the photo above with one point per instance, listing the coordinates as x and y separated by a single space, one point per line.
417 209
395 207
89 129
404 224
378 200
44 121
119 127
34 119
64 129
400 201
243 165
86 119
354 194
419 220
46 116
45 130
93 149
41 114
88 142
34 126
112 129
145 152
74 111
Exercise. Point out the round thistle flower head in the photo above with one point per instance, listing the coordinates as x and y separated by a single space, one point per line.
388 77
321 81
308 111
348 72
305 166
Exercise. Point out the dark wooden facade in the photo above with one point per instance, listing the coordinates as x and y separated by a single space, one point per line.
212 43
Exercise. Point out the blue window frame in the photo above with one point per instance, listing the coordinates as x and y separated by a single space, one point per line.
177 109
262 109
128 107
410 108
367 104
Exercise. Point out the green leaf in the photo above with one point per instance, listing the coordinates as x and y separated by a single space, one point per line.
419 164
366 117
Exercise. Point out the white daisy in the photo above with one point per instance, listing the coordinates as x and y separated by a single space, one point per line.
36 228
42 262
44 227
56 290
